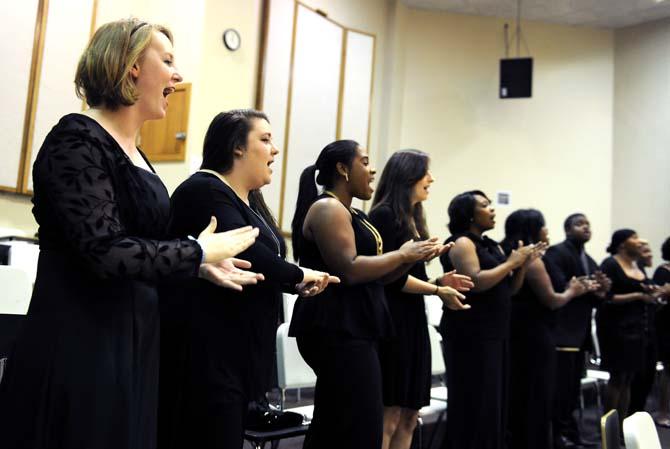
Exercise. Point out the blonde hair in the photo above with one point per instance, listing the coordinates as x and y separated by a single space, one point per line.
103 73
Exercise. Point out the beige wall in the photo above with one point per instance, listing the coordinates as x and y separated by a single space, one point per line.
552 151
641 179
435 88
221 79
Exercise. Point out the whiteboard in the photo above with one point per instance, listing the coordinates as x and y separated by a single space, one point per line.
275 93
314 99
67 34
16 47
357 90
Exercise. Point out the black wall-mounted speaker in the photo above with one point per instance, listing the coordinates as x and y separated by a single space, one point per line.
516 78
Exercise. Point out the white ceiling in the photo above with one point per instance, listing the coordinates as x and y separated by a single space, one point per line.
597 13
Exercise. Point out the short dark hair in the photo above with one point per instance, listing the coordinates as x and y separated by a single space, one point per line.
665 250
524 225
462 211
567 224
227 132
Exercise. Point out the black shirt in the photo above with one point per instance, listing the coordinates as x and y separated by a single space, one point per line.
489 316
358 311
573 320
239 326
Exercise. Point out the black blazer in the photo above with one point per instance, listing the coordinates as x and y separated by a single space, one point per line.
573 321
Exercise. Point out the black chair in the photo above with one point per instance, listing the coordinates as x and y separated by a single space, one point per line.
259 439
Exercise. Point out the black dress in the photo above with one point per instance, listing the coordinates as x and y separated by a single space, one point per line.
476 350
662 277
223 355
405 358
337 333
533 366
84 373
623 329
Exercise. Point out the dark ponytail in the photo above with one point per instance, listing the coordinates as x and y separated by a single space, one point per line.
340 151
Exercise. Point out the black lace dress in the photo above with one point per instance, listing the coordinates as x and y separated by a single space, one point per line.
84 372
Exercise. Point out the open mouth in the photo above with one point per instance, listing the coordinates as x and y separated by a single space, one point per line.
167 91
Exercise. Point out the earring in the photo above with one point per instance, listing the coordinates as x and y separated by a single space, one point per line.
346 177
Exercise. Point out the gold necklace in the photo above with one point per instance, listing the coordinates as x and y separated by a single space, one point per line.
369 226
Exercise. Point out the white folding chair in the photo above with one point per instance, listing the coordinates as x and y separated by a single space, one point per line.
288 301
639 432
433 309
292 370
24 255
17 288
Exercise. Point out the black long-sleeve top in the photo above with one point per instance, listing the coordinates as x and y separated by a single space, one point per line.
240 326
573 321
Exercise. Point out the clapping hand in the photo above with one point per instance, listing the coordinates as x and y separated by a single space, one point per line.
459 282
223 245
314 282
452 299
414 251
440 249
230 273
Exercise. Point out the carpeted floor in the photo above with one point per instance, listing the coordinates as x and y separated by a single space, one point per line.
431 432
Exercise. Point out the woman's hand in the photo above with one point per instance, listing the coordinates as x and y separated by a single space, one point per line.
228 273
459 282
451 298
223 245
314 282
421 250
439 250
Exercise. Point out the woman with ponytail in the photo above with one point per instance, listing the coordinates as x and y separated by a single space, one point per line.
397 213
338 332
230 335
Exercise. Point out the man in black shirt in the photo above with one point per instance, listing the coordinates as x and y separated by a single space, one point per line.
573 325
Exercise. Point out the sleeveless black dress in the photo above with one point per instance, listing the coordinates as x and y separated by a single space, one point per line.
533 370
623 329
405 358
476 347
337 333
84 372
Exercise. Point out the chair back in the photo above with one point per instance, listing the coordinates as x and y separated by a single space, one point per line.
17 289
609 430
433 309
288 301
292 370
639 432
437 366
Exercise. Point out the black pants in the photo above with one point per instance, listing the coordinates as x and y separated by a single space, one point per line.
348 408
477 381
569 370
